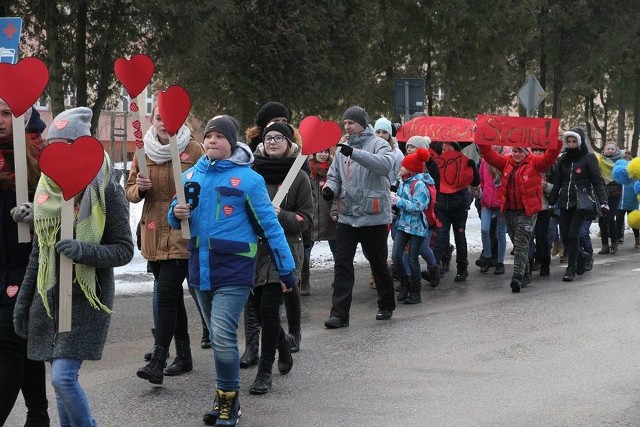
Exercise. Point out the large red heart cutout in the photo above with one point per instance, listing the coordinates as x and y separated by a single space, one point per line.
135 73
22 84
173 105
318 135
72 166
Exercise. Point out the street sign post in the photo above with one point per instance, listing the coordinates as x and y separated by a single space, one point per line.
531 95
10 29
408 96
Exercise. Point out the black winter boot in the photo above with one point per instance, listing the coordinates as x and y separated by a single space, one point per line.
37 418
153 372
205 341
262 383
293 307
414 296
499 268
183 362
251 336
404 290
569 274
147 356
516 283
545 261
462 274
434 275
581 263
285 360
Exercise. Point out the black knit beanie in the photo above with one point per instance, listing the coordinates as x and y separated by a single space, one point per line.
270 111
226 125
357 114
283 128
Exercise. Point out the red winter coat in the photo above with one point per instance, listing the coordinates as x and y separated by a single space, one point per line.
528 177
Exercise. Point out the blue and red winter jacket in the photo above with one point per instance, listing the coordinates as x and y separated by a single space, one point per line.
230 209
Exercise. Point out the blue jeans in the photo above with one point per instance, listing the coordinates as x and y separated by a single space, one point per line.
73 406
425 252
585 238
399 243
501 232
221 309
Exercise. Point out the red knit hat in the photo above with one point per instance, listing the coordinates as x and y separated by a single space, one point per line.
415 161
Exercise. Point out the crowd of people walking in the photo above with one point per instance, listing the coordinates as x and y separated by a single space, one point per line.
247 257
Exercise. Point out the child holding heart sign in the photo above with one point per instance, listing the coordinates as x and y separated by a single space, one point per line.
102 240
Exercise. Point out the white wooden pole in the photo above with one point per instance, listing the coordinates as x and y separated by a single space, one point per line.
20 165
66 267
177 179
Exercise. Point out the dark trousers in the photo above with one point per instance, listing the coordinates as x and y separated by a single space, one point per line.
608 226
374 241
266 301
19 373
570 224
172 315
542 248
458 220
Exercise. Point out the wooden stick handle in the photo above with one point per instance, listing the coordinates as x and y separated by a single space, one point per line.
22 183
288 180
134 108
177 179
66 267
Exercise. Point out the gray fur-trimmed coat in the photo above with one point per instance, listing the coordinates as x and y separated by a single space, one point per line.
89 326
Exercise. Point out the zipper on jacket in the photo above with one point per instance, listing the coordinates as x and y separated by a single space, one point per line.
569 186
218 206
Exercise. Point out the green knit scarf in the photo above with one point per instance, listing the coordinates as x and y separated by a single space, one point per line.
89 227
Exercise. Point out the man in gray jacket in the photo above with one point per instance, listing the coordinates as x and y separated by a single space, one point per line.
359 179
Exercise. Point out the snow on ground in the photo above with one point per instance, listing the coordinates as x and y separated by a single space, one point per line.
133 277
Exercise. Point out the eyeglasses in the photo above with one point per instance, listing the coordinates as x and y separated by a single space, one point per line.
274 139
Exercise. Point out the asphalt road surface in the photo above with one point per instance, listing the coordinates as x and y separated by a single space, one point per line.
472 354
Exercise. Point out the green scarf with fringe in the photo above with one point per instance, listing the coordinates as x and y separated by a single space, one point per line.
89 227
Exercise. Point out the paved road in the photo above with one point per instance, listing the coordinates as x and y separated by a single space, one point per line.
474 354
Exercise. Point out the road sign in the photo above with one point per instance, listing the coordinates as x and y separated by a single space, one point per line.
408 96
531 95
10 29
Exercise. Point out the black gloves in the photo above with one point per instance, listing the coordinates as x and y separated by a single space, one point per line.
345 149
327 194
605 209
69 247
471 163
290 281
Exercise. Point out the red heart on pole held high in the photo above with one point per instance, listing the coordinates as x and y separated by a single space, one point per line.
22 84
72 166
135 73
318 135
174 104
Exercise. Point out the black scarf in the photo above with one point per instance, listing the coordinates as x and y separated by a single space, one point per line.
273 170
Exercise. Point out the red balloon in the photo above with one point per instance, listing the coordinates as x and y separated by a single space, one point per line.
135 73
72 166
22 84
318 135
173 105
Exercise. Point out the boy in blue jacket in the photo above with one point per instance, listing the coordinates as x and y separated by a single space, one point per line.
228 209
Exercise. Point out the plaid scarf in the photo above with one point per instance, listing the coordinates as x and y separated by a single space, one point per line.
89 227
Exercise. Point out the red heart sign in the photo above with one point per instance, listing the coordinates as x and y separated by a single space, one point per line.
72 166
318 135
22 84
135 73
173 105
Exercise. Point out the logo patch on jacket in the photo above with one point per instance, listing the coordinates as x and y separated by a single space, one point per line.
234 182
525 177
12 290
578 170
227 209
189 175
184 156
151 225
